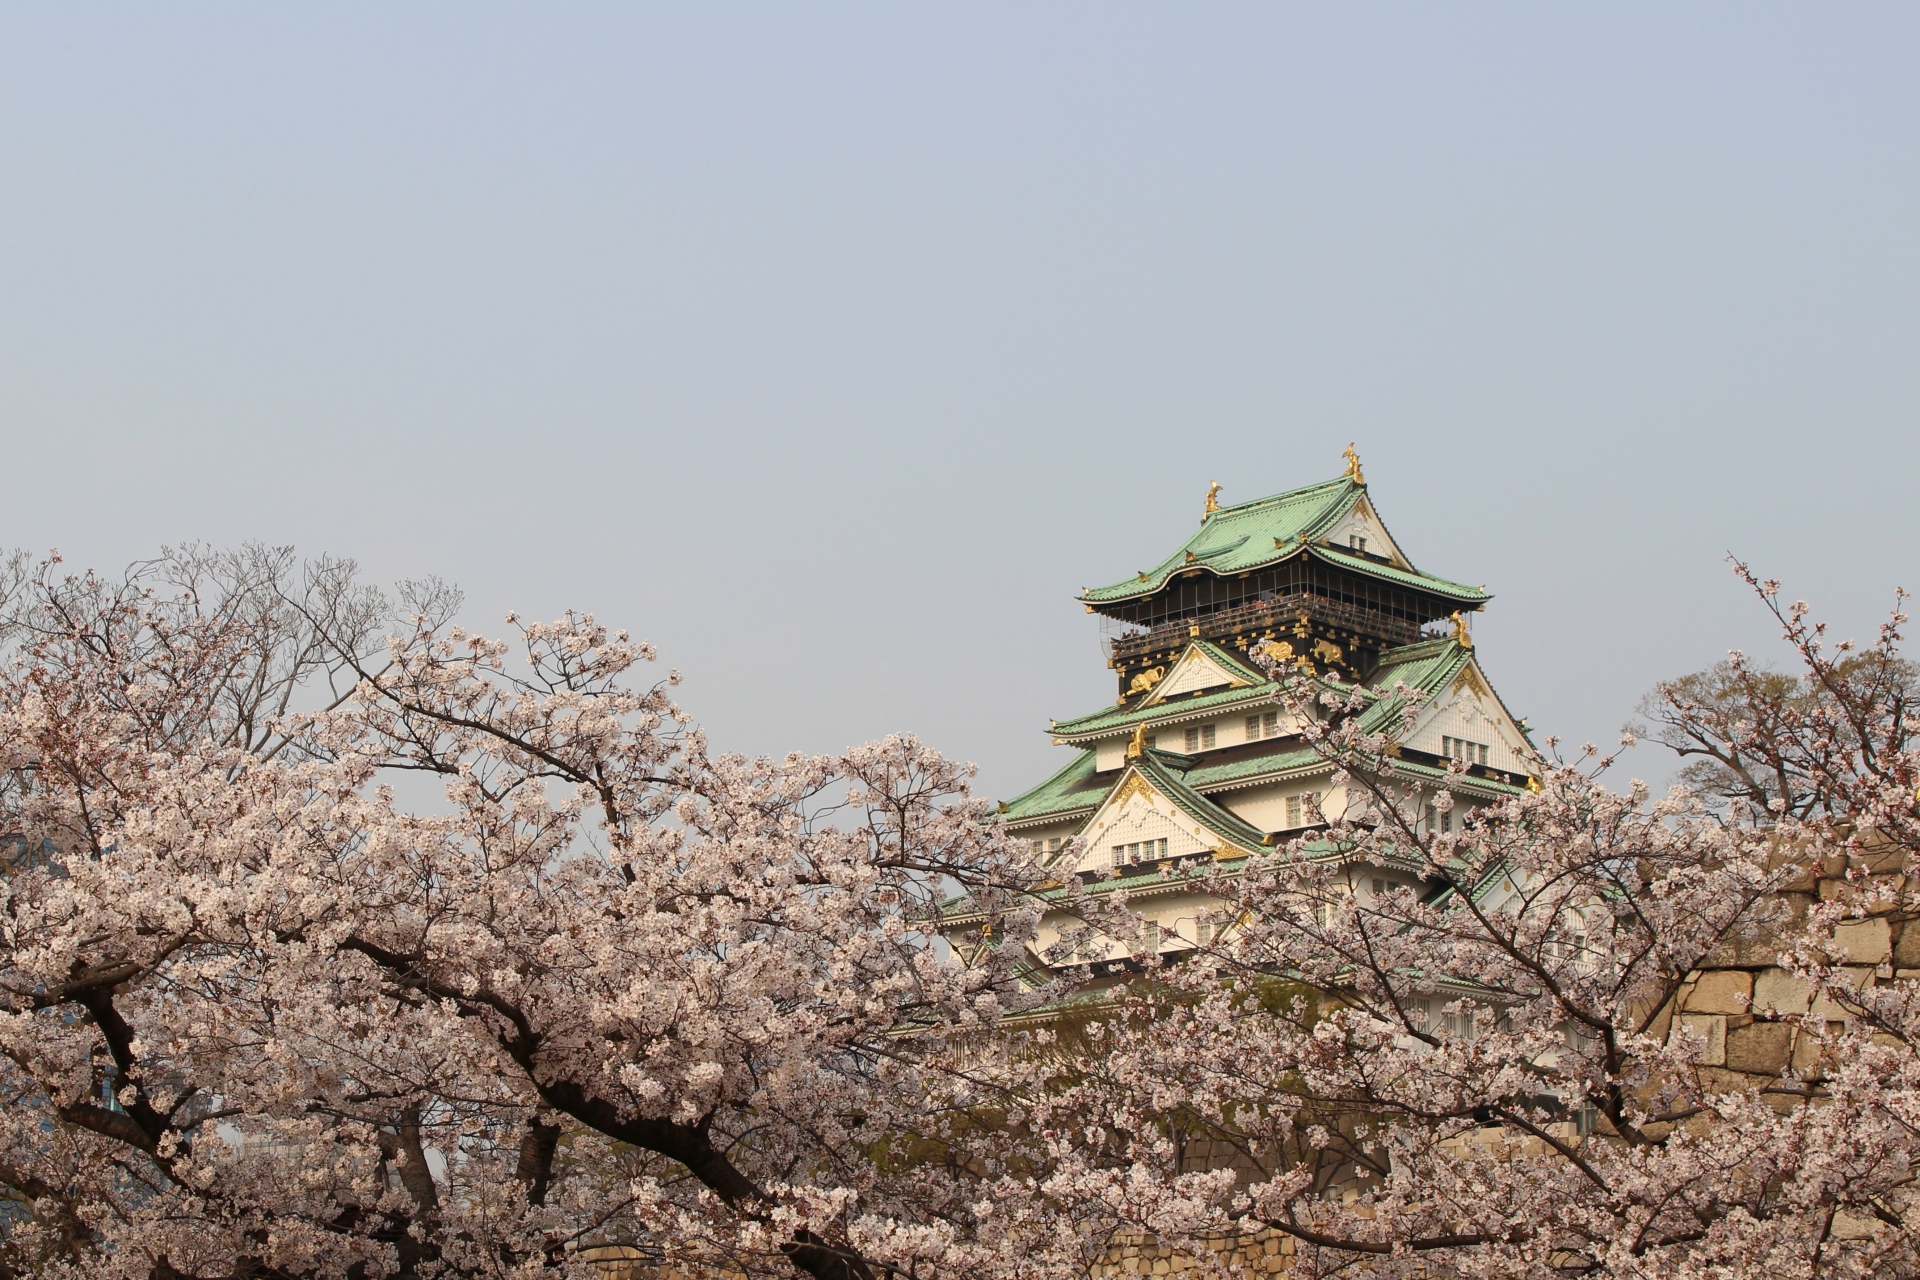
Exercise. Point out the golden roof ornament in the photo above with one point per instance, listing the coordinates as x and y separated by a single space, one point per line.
1460 636
1139 743
1353 465
1213 501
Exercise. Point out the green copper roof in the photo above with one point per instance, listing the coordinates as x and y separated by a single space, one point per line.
1147 710
1072 789
1105 722
1406 578
1172 780
1252 535
1279 760
1426 665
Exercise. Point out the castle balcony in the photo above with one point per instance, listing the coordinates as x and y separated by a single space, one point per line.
1257 617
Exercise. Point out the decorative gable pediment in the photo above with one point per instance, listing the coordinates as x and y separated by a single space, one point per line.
1361 530
1467 719
1133 821
1195 671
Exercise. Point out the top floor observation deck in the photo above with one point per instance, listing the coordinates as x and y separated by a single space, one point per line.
1313 562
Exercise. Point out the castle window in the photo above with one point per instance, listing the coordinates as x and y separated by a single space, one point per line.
1463 751
1139 851
1267 725
1357 542
1200 737
1299 808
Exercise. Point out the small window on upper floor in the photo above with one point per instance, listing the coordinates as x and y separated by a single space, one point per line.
1463 751
1263 726
1138 851
1358 542
1201 737
1300 808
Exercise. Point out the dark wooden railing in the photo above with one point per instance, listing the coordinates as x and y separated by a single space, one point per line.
1263 615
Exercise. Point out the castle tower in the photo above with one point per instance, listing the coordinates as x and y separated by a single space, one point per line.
1195 760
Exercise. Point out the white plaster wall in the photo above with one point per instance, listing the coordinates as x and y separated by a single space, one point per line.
1109 753
1265 807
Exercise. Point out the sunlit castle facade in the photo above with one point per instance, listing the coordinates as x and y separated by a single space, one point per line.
1194 761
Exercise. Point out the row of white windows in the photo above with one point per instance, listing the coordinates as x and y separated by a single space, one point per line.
1302 811
1138 851
1323 912
1466 1024
1204 737
1097 947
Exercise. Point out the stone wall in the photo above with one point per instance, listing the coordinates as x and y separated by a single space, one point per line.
1748 1009
1268 1252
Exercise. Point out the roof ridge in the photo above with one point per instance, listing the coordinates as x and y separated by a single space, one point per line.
1425 642
1251 503
1264 531
1200 703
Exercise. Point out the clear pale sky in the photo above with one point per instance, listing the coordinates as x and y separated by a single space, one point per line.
834 348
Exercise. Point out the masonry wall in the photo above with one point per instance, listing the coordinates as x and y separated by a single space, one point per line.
1747 1008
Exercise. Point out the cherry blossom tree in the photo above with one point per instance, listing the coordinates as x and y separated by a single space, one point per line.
1489 1069
273 1008
263 1020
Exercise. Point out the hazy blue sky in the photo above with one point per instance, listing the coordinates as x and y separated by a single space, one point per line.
835 348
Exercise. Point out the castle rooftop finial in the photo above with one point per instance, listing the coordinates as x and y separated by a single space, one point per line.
1213 501
1139 743
1460 635
1353 465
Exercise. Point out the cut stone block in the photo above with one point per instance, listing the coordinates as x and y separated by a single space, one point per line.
1856 976
1761 1049
1721 991
1865 941
1906 952
1710 1027
1778 993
